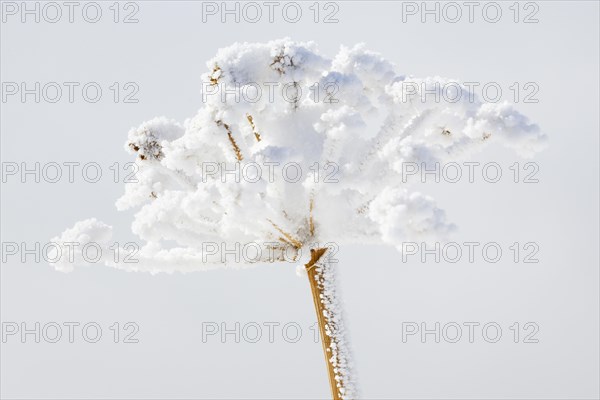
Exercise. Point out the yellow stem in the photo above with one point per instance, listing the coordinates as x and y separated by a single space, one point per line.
317 293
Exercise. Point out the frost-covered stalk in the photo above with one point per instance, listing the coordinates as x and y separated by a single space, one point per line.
322 278
348 124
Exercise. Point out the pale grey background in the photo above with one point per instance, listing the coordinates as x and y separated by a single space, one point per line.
165 54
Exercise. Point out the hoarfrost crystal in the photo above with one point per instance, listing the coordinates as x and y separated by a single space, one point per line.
353 116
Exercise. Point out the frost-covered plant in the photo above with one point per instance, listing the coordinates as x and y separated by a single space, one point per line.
347 125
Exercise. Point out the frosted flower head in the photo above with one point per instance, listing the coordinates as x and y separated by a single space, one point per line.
323 140
146 140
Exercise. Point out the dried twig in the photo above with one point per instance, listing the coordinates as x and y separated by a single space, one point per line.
287 238
236 148
251 121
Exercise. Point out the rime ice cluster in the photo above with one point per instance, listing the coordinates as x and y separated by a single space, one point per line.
345 124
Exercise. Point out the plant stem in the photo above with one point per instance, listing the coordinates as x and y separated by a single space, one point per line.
329 322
